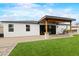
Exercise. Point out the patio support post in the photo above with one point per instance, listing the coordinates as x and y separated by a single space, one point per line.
46 29
46 26
70 26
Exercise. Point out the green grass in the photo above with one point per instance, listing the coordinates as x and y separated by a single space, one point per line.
58 47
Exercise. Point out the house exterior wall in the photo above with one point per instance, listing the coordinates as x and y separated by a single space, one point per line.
20 30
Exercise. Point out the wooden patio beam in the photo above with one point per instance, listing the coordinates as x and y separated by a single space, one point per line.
50 21
46 26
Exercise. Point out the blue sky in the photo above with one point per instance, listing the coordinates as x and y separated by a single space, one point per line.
22 11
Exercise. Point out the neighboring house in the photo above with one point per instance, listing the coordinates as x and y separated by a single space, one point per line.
1 30
47 24
75 28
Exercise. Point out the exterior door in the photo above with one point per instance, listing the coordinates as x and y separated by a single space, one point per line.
42 29
52 29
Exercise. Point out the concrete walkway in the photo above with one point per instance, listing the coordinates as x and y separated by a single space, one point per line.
7 44
5 50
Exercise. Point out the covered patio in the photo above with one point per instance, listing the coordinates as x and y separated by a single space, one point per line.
46 20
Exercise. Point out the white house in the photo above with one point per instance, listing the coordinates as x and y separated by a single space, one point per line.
47 24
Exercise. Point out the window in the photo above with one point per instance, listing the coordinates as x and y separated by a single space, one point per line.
11 28
27 27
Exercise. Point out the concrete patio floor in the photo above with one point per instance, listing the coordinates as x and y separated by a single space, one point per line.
7 44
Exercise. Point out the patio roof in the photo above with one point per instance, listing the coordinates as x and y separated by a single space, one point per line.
56 19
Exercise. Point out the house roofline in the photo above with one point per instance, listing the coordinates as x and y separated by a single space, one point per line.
44 17
30 22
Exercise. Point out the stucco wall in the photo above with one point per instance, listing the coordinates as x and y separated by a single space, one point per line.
20 30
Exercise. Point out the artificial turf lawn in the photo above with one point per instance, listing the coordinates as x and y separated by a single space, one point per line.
54 47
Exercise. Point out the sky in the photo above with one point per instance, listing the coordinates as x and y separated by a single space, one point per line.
34 11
